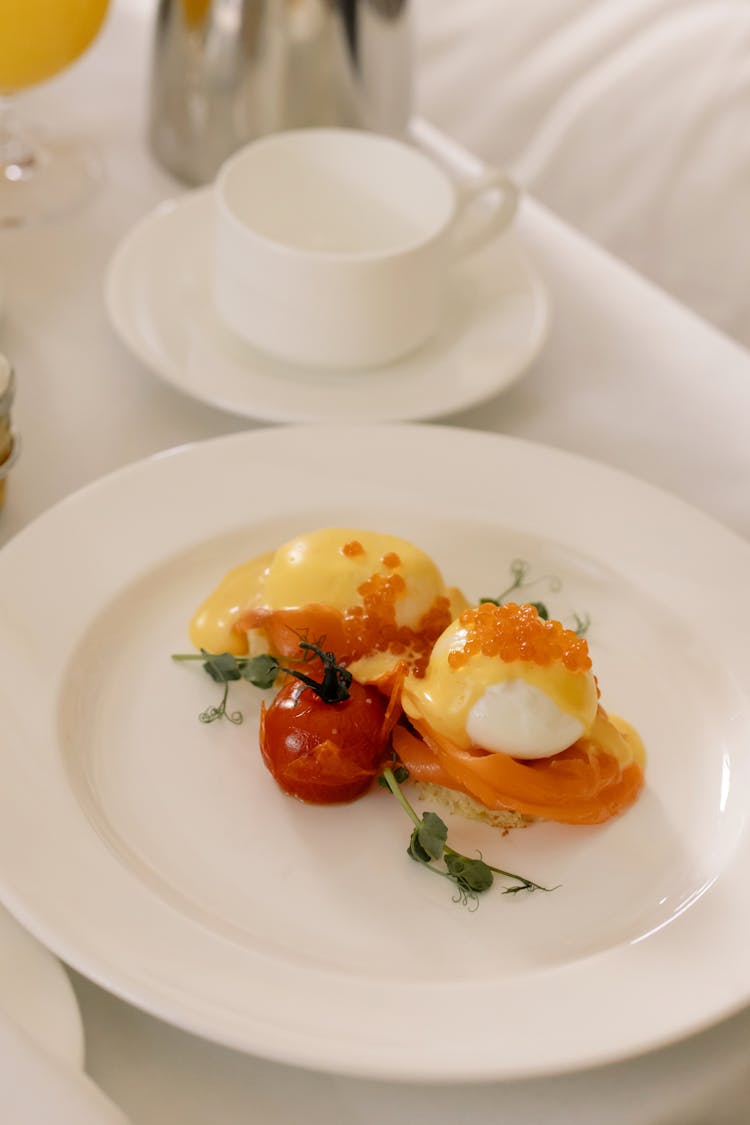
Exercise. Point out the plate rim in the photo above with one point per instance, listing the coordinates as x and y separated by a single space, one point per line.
120 262
196 1021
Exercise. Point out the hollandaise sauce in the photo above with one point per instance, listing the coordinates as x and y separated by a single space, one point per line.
369 597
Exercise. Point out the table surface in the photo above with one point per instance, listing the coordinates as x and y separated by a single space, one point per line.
627 377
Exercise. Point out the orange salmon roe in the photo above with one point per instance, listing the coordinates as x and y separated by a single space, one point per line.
517 632
352 549
391 560
372 627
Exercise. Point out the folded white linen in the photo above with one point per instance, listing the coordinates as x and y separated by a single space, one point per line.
36 1088
628 120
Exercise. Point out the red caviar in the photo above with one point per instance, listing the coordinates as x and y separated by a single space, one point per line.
359 630
517 632
372 627
352 549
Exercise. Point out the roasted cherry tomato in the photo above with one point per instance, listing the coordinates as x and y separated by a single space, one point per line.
322 752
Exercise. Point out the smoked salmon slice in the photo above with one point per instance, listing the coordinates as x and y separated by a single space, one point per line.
586 784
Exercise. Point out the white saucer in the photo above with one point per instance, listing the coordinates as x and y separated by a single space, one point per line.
158 295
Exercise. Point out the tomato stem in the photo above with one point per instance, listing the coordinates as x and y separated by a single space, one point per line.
334 686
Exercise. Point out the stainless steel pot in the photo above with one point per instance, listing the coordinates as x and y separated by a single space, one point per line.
227 71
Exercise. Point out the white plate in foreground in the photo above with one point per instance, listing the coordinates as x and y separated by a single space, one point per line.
156 855
159 301
36 993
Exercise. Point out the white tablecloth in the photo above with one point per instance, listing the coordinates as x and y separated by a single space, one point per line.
628 377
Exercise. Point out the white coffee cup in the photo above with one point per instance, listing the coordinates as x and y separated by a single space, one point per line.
333 246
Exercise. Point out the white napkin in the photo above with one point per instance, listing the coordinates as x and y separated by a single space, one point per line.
38 1089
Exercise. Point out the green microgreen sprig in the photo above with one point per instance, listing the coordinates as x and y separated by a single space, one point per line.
263 670
519 570
581 624
429 843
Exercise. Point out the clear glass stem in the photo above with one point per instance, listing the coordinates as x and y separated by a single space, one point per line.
41 177
20 157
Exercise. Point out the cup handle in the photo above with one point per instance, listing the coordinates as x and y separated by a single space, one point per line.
472 181
491 219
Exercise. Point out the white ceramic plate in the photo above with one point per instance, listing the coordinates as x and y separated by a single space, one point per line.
36 993
158 294
156 854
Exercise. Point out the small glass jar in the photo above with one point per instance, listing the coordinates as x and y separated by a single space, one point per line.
9 441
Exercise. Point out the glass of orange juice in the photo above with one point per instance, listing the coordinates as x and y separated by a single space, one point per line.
39 38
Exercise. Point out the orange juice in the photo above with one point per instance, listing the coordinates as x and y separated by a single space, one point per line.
38 38
195 11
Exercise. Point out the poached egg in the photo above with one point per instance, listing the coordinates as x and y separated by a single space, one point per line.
501 679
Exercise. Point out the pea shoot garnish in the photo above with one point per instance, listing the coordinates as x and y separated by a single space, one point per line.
429 844
519 570
581 624
263 670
